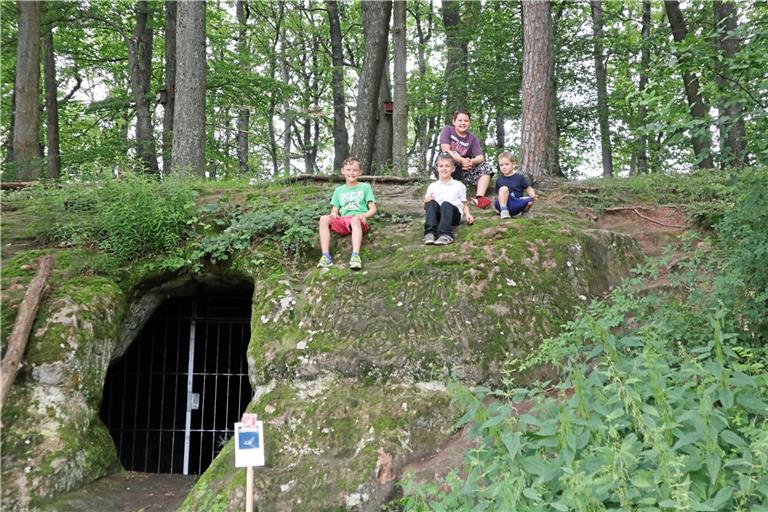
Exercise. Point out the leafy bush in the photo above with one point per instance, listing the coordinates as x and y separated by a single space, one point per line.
743 235
292 228
130 218
640 421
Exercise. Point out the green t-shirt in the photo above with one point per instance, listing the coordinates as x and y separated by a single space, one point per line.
352 200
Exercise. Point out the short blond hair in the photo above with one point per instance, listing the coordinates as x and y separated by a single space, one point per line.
509 156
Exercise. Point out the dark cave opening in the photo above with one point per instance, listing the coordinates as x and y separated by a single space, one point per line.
170 401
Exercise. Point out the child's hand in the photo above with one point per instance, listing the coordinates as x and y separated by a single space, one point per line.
334 215
470 219
429 197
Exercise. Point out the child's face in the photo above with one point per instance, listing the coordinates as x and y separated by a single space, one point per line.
351 172
461 123
507 166
445 168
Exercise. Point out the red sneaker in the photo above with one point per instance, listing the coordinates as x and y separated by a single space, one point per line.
481 202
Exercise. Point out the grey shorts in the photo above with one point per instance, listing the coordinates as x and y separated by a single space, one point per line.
469 177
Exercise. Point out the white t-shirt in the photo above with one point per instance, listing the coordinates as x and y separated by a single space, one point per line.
454 191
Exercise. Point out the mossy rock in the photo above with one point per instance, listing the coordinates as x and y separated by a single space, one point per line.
331 444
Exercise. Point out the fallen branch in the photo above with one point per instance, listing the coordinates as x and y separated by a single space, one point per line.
656 221
340 179
580 196
16 185
17 341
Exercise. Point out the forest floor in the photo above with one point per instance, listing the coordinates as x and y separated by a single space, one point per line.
654 228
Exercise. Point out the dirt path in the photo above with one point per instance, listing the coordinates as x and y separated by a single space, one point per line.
127 492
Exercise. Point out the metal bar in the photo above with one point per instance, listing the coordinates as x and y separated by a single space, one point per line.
229 362
202 404
188 423
216 388
135 410
162 398
175 391
149 392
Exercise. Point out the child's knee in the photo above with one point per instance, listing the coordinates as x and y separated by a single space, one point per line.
325 220
503 188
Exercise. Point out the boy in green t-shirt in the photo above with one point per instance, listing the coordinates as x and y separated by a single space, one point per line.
352 205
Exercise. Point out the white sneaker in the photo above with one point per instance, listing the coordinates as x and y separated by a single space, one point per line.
429 239
505 214
444 240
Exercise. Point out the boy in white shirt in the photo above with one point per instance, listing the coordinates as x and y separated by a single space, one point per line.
444 201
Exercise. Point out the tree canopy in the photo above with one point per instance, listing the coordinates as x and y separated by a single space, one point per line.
273 101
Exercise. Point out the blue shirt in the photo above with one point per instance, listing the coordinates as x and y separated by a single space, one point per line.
516 183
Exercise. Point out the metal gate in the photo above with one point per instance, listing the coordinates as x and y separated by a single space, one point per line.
170 402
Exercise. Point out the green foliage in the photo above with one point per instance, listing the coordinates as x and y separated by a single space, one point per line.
662 402
130 218
292 228
743 234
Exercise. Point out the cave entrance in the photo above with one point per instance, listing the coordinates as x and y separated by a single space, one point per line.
171 400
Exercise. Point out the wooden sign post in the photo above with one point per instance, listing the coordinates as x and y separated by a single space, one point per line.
249 452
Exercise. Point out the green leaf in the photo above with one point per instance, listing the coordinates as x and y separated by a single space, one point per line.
722 497
726 397
713 462
512 441
530 493
752 404
733 438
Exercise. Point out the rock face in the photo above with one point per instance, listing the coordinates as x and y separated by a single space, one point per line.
53 439
350 369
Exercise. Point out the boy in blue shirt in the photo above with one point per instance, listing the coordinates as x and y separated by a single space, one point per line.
352 205
513 192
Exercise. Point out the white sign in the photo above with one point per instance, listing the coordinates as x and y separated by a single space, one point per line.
249 444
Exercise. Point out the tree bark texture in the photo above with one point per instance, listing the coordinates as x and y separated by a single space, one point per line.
596 7
340 134
734 145
51 106
140 68
376 30
538 126
244 116
189 110
455 57
22 326
170 82
26 134
382 153
400 96
700 139
645 63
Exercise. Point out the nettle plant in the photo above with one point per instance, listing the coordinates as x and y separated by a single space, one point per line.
654 411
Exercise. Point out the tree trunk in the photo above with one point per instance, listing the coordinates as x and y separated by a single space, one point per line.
244 116
422 121
51 106
189 112
288 120
26 135
17 340
400 114
340 135
140 68
602 87
376 29
455 59
734 145
170 82
700 138
382 153
538 126
642 111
